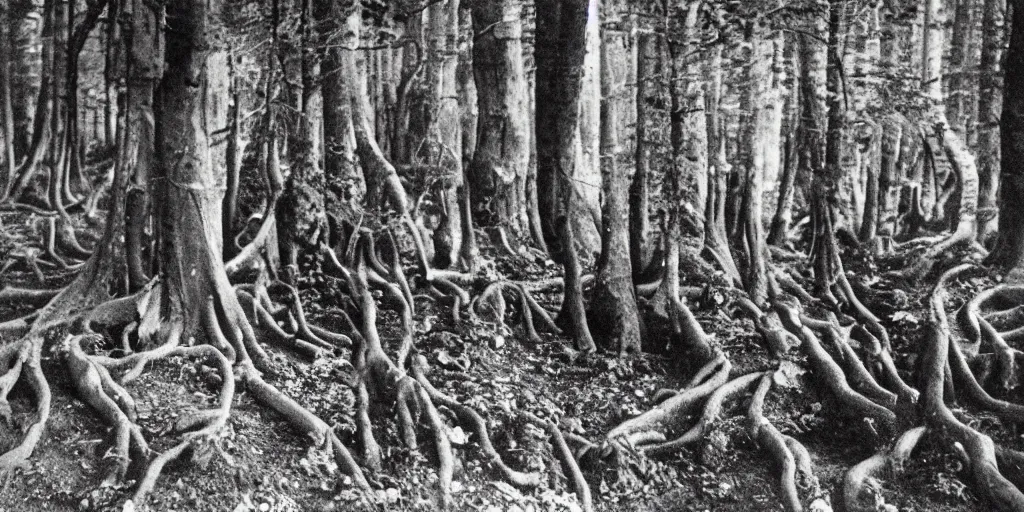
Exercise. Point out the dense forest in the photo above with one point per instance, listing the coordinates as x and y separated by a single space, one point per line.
511 255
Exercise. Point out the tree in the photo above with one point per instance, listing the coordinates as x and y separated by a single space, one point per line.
613 308
559 54
1009 248
501 160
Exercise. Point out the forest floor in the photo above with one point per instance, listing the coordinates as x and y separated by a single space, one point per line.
260 463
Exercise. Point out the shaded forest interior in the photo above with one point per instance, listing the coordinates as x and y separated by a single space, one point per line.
511 255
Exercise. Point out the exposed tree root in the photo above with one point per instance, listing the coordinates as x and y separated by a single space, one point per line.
979 448
862 486
568 460
671 415
712 410
832 375
770 439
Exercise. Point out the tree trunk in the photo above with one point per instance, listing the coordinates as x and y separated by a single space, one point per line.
502 158
716 238
639 189
757 136
27 24
343 177
961 109
42 120
560 51
1009 249
443 146
587 172
7 158
613 309
822 138
989 99
301 215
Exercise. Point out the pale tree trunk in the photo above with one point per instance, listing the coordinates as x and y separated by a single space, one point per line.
587 172
716 240
42 120
112 73
501 162
757 136
7 159
443 146
468 96
959 99
648 70
773 146
783 216
989 107
613 311
468 119
1008 252
27 18
870 144
561 48
950 141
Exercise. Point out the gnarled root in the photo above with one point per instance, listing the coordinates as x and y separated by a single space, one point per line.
979 448
861 486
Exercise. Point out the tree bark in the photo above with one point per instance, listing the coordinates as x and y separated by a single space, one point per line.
613 308
7 158
639 189
560 52
1008 252
301 214
502 157
989 99
757 137
343 177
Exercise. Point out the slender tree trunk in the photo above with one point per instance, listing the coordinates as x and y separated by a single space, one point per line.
758 135
7 158
613 309
42 119
587 172
648 70
716 238
444 127
111 72
989 99
560 53
28 21
961 109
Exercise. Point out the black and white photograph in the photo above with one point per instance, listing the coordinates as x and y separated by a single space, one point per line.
511 255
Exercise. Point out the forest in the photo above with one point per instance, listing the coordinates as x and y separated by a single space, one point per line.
511 255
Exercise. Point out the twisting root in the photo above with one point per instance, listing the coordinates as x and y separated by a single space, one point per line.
211 421
769 438
979 331
671 414
95 387
831 373
861 486
859 376
474 421
565 455
28 296
446 459
979 448
712 410
28 360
